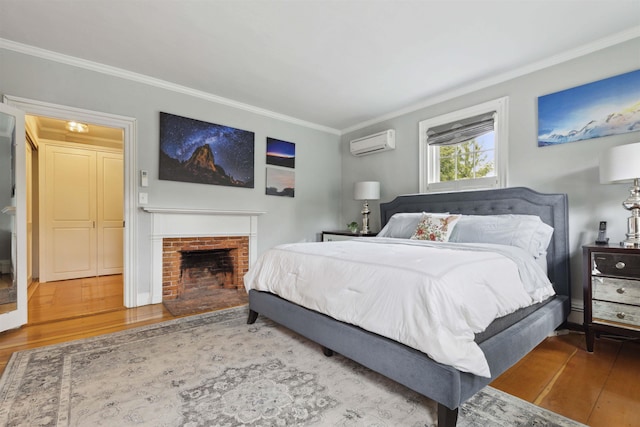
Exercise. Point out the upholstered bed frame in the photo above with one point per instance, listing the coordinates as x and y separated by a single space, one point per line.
412 368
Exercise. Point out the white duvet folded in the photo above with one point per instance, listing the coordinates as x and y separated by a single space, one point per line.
430 296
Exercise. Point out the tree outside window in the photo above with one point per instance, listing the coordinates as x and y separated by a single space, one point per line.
468 160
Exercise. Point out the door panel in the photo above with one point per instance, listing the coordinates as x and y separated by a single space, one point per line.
13 228
70 214
110 208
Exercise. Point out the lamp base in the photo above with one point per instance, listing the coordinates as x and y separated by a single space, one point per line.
633 230
365 217
633 222
629 245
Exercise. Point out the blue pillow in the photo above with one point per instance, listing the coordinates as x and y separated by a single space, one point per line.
524 231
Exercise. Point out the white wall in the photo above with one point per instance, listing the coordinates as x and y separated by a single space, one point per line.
316 205
570 168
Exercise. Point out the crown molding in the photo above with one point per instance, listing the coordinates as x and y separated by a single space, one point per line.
600 44
151 81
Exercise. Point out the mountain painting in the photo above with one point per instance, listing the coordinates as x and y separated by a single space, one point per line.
281 153
205 153
606 107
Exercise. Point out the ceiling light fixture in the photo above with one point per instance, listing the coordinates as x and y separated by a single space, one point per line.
77 127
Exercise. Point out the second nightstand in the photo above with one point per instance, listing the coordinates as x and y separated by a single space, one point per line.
611 284
333 236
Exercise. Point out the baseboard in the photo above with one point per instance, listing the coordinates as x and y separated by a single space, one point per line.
32 288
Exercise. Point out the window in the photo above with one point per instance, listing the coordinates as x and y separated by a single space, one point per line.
465 150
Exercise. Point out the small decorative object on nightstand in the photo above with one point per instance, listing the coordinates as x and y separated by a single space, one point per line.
611 284
333 236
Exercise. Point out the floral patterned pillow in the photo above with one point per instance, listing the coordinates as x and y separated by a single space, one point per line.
435 227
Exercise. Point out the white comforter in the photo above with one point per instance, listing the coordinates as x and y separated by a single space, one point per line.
430 296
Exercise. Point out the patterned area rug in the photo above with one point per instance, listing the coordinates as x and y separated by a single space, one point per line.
215 370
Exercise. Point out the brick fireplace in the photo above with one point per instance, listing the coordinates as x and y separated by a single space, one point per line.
193 264
178 230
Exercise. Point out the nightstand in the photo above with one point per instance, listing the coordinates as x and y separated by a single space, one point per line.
611 284
333 236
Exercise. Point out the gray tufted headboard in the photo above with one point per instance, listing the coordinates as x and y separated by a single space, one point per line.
551 208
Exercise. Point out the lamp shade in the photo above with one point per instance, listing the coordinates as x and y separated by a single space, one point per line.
620 163
366 190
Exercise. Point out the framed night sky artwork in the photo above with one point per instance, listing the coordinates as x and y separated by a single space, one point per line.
606 107
281 153
206 153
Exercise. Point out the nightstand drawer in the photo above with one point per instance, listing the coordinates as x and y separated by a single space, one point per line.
328 237
616 290
619 313
616 264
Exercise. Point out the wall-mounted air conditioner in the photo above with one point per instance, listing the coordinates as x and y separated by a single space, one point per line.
381 141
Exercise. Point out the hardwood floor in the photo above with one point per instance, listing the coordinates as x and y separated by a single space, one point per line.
599 389
66 299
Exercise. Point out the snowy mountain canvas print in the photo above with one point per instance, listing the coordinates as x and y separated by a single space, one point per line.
607 107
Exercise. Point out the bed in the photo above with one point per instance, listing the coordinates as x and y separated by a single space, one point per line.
506 340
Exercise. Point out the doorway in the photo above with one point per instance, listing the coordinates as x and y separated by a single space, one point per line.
127 128
75 226
80 199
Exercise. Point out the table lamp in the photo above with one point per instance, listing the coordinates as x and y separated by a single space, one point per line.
366 190
622 164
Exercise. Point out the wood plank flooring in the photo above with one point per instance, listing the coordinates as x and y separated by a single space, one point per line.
600 389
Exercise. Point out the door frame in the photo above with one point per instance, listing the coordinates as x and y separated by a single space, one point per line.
129 127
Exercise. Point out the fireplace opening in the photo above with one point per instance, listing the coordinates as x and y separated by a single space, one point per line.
203 273
206 270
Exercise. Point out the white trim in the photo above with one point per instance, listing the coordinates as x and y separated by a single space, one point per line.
604 43
151 81
501 107
129 127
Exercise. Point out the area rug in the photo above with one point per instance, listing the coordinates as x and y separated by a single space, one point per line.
215 370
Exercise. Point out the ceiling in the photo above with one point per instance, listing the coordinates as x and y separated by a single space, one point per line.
335 64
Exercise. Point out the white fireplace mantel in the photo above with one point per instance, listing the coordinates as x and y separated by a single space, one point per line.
200 211
184 222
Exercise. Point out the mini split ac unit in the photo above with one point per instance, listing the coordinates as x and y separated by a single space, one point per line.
381 141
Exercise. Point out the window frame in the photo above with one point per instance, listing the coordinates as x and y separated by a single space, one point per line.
428 162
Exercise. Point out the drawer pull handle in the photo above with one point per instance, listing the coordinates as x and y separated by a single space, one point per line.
620 315
620 290
620 265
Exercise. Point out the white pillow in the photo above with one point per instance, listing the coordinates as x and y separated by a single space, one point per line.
435 227
524 231
401 225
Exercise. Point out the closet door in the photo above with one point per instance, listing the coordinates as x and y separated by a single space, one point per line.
110 209
70 214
